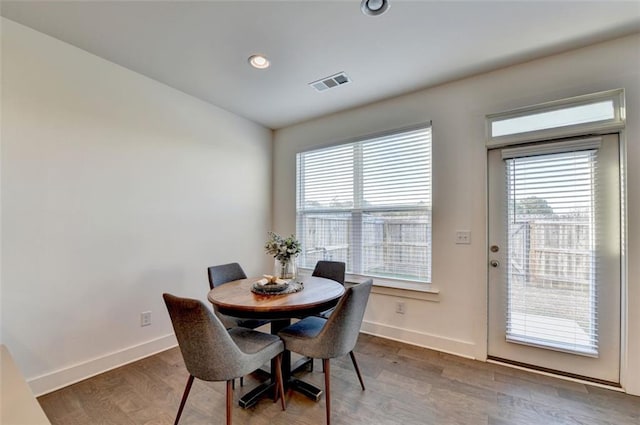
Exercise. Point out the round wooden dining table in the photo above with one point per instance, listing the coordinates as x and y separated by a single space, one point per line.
236 299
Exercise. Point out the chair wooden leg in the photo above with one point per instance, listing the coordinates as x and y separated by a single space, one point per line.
327 388
280 385
242 381
184 398
355 366
229 400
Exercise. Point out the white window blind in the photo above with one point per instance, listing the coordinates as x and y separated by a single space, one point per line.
552 262
368 203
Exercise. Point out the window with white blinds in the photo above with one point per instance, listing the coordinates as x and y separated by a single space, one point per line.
368 203
552 236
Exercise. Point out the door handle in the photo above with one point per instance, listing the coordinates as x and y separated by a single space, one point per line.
494 263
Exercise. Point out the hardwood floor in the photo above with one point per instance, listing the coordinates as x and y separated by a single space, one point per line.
405 385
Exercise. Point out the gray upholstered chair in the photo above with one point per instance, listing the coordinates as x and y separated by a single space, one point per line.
333 270
336 336
213 353
224 273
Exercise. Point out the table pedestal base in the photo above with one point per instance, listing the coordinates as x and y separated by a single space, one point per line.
253 396
267 389
305 388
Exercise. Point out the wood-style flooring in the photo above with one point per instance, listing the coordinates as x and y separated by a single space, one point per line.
405 385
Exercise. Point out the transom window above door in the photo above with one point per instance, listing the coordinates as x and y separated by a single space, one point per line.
368 203
595 113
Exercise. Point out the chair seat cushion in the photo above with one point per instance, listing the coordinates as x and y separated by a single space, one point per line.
250 341
298 337
260 347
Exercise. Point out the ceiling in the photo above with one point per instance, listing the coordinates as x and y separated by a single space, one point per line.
201 48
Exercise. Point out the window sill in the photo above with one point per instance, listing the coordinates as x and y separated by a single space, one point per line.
415 291
395 288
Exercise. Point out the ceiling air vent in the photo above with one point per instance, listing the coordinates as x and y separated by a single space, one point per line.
330 82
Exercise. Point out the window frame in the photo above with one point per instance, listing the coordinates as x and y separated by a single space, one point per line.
391 284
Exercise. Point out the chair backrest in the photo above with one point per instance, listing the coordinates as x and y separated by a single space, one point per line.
208 351
333 270
340 334
225 273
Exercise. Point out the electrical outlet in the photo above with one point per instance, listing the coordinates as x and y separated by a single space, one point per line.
400 308
145 318
463 237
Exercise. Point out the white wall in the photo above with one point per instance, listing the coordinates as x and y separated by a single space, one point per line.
115 189
456 322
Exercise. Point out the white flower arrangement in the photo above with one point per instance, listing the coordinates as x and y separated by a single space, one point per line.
282 249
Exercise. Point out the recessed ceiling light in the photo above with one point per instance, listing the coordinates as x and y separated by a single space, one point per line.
374 7
259 61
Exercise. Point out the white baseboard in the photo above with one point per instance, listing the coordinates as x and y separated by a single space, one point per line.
61 378
420 339
52 381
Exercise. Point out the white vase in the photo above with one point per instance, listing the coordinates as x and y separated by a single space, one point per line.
285 269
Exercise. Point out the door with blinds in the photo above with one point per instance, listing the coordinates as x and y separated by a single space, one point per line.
554 256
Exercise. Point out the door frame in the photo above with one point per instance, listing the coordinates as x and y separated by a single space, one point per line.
616 125
517 353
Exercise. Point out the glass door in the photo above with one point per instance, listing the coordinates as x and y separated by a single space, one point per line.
554 256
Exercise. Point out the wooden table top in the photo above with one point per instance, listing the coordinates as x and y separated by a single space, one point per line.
236 299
